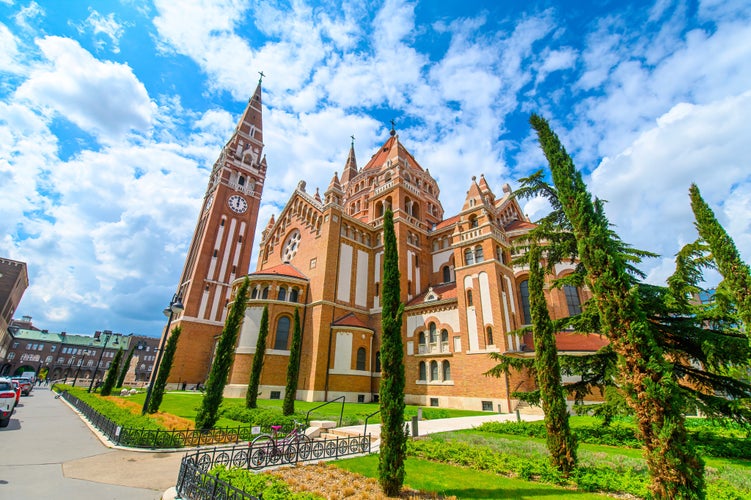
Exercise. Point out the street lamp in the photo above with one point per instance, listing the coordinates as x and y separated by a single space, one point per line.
107 334
86 352
175 306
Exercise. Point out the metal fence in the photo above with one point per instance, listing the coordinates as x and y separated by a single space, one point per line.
195 482
158 438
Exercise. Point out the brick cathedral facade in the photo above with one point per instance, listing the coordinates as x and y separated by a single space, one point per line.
323 254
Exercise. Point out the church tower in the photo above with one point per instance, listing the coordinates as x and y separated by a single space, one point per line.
222 243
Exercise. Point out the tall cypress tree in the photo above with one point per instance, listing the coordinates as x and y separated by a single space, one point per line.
393 438
293 369
561 442
125 368
676 470
225 353
251 397
735 272
157 392
111 378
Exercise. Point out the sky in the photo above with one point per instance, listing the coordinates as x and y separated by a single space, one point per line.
113 112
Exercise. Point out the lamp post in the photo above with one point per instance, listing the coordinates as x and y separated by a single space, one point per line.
107 334
86 352
175 306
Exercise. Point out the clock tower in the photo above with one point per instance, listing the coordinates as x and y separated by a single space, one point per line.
222 244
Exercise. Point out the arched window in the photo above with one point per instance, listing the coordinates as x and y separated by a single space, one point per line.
472 221
422 374
469 257
572 300
446 370
254 293
434 370
422 338
489 332
293 295
282 334
469 298
282 294
446 274
524 292
360 363
433 338
444 340
241 181
378 362
265 293
478 254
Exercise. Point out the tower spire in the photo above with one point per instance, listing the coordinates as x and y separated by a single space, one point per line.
350 168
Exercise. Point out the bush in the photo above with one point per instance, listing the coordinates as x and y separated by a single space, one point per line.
259 416
259 485
122 416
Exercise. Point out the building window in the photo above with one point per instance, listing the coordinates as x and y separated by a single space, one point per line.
444 340
479 257
487 406
360 363
282 334
469 257
572 300
446 370
422 371
489 332
434 370
446 274
432 337
434 402
11 356
254 293
473 220
469 298
265 293
282 294
421 345
293 295
275 395
378 362
361 398
524 292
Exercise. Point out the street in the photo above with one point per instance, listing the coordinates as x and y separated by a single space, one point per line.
47 451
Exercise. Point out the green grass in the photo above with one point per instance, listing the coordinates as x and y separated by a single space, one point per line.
462 482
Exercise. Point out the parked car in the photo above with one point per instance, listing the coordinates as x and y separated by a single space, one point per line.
17 388
26 385
7 401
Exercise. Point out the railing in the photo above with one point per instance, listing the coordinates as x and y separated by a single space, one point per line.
341 413
194 480
365 428
158 438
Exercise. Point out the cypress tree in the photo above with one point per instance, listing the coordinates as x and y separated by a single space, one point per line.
251 397
225 353
111 378
676 470
561 442
735 272
157 392
126 367
393 438
293 369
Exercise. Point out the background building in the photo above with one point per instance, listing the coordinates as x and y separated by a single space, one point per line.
75 356
14 280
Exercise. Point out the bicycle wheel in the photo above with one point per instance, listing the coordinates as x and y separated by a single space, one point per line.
258 457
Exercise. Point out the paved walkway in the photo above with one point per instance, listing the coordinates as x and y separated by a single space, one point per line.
47 451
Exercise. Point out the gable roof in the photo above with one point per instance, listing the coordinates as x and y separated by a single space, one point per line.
444 291
285 269
352 321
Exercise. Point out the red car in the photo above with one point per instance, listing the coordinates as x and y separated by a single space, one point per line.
7 401
26 385
17 388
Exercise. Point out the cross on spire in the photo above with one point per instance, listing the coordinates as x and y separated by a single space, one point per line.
393 130
261 78
353 140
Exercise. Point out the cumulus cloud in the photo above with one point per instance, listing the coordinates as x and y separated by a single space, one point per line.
102 98
101 27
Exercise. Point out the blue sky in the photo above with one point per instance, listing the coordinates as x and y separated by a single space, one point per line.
112 113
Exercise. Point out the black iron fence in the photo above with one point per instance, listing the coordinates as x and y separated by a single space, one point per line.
159 438
195 482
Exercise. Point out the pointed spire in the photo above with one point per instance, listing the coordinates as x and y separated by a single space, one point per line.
334 184
317 196
350 168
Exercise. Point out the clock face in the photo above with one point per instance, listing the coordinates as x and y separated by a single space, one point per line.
209 202
237 204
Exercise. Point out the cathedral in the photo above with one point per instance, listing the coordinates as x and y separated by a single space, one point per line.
323 255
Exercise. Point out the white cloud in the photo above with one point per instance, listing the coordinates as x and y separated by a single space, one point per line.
28 13
103 98
646 186
103 26
8 51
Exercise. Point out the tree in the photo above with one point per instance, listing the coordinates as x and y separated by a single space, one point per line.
111 378
225 352
251 397
647 377
157 392
125 368
393 438
561 442
293 369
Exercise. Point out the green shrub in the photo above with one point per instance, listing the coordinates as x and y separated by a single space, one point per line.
259 416
121 416
259 485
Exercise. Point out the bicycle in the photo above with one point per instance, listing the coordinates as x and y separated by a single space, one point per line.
270 449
